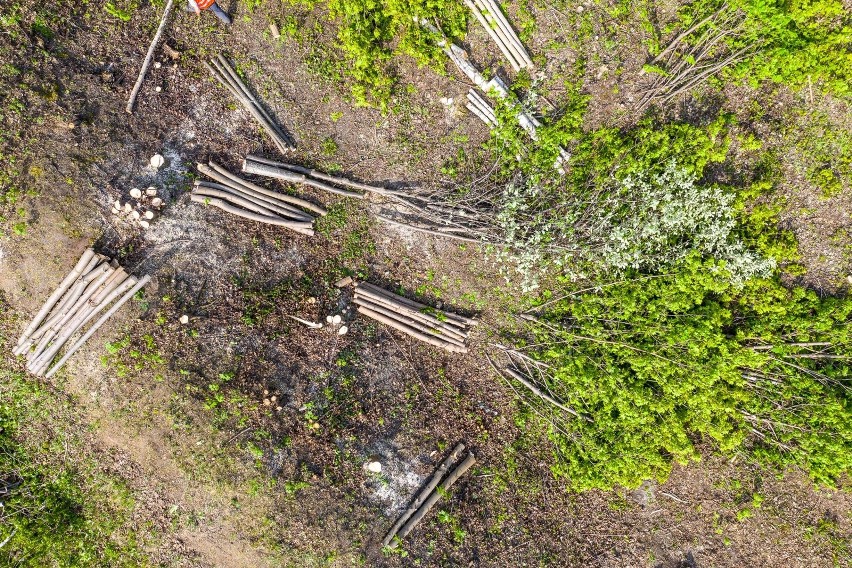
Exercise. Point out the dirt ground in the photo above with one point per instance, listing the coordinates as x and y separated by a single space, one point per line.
252 481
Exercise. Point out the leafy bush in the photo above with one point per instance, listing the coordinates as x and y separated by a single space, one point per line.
371 32
658 363
797 43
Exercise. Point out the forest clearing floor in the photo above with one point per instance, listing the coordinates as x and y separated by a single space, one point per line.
241 437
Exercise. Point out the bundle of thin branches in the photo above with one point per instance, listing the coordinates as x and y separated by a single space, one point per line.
306 176
251 201
428 496
221 69
495 23
696 54
533 377
94 284
435 327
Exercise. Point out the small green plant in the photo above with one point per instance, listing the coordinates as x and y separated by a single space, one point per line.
123 14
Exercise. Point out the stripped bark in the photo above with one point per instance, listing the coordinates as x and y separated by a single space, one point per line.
436 478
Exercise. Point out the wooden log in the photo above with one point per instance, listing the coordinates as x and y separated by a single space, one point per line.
510 57
324 176
434 497
57 294
226 178
436 478
514 41
84 291
430 339
212 66
147 63
130 293
229 70
260 169
290 199
87 311
410 322
430 323
234 198
417 305
265 203
278 221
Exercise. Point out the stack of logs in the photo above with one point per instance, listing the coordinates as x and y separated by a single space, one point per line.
91 287
495 23
441 329
427 498
306 176
251 201
221 69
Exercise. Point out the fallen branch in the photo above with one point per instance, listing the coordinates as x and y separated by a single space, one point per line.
270 220
131 102
258 168
323 176
436 478
433 498
235 181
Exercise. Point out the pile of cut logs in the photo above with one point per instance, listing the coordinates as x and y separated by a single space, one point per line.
221 69
435 327
90 288
495 23
427 498
251 201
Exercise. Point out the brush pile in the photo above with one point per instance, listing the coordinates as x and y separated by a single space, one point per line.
221 69
435 327
93 285
251 201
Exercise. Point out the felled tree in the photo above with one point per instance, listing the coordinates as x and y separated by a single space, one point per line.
655 364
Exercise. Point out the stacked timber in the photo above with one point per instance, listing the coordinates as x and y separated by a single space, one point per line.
94 285
221 69
430 325
245 199
428 496
488 14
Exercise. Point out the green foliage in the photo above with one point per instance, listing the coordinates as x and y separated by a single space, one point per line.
371 32
797 43
656 363
56 512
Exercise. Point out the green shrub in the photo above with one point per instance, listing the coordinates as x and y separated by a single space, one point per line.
658 363
371 32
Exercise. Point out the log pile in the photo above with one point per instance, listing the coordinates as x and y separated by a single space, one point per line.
428 496
306 176
441 329
93 285
221 69
245 199
495 23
